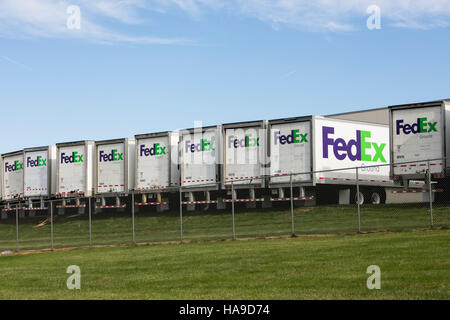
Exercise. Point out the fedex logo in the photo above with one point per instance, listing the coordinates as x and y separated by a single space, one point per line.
74 158
294 137
246 142
204 145
355 149
16 166
110 157
418 127
39 162
156 150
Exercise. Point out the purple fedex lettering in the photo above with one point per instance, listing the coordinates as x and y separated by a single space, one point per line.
341 149
326 141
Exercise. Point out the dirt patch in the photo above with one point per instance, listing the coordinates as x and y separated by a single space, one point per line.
45 222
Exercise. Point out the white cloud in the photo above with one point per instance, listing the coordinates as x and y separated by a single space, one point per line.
48 18
125 11
320 15
345 15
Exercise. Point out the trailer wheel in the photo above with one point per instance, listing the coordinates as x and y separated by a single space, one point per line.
375 198
361 198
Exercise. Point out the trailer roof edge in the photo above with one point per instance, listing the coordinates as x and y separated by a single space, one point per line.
419 104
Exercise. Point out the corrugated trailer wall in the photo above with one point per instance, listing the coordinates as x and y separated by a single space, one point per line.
39 172
12 176
290 150
114 166
245 154
201 157
157 161
75 169
419 132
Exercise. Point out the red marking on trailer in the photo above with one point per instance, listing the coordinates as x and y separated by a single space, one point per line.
418 191
244 200
288 199
149 203
199 202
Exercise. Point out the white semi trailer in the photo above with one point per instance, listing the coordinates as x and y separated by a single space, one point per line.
39 177
74 174
12 180
418 133
316 147
200 160
245 160
157 172
114 172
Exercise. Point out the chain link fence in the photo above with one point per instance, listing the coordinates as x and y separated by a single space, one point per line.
344 201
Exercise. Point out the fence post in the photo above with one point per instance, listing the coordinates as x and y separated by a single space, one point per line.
90 221
430 192
132 216
17 227
292 209
232 209
51 225
358 200
181 215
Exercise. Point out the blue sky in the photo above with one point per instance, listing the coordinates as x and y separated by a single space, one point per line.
147 66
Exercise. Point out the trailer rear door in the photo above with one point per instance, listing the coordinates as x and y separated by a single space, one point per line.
290 151
36 176
111 167
417 134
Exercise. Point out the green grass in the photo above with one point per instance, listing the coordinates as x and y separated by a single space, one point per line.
414 265
116 228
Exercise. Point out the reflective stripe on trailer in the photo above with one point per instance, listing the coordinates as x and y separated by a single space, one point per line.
354 180
289 199
418 191
199 202
244 200
11 209
416 165
111 207
14 195
71 206
149 203
30 209
111 185
239 178
202 180
153 188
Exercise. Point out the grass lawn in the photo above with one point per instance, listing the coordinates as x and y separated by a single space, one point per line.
414 265
112 227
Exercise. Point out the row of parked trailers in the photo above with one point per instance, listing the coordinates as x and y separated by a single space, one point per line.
248 162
